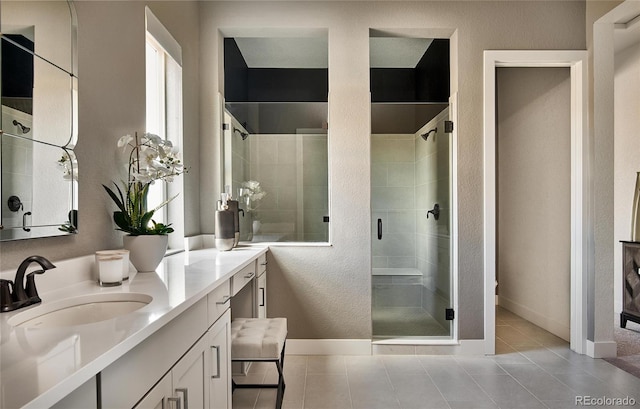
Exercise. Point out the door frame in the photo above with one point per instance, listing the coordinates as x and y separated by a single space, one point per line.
582 259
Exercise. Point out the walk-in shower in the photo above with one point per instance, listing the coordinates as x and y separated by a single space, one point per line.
411 284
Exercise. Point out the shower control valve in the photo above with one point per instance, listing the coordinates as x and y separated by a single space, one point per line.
435 211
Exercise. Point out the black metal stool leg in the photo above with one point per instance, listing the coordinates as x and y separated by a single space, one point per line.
280 386
280 393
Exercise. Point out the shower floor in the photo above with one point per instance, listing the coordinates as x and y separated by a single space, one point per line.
405 321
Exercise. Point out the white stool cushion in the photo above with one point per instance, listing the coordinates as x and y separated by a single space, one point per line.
258 338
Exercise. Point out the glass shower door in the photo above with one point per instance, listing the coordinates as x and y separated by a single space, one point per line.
411 227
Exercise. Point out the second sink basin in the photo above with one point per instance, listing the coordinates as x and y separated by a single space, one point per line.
80 310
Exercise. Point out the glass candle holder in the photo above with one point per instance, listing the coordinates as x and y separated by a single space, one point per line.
124 253
109 270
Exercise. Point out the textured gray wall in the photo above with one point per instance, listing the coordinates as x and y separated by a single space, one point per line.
324 291
627 151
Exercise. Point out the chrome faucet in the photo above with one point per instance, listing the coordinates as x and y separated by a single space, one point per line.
20 296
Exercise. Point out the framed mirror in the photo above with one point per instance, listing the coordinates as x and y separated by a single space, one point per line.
38 122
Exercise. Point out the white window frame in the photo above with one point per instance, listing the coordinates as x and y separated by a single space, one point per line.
167 120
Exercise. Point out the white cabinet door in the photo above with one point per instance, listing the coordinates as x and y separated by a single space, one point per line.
158 397
190 382
128 379
219 337
185 386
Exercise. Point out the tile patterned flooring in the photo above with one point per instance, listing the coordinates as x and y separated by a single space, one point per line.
531 369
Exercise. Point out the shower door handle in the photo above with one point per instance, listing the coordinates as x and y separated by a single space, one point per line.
379 229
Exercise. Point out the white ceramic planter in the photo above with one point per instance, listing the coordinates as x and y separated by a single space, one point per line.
146 252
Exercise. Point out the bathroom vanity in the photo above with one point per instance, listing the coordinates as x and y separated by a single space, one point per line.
174 348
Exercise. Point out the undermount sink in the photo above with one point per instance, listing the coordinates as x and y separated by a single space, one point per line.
80 310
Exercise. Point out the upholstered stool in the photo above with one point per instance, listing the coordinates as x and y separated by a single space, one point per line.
260 340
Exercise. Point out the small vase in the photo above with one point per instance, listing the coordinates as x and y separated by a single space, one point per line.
635 217
225 234
146 252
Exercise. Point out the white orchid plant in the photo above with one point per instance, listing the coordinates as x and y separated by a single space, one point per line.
151 158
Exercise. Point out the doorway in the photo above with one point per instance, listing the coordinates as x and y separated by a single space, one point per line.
533 196
581 253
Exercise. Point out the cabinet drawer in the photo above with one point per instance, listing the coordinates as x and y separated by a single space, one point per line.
218 302
262 264
242 277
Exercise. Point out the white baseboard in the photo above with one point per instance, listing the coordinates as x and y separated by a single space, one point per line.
366 347
328 347
548 323
603 349
463 347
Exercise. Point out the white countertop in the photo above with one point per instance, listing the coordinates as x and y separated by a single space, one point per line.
39 366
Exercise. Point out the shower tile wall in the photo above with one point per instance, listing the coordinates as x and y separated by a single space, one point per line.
17 176
292 169
240 164
396 291
315 171
392 200
273 164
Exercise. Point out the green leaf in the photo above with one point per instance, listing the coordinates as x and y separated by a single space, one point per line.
122 220
146 218
161 229
118 201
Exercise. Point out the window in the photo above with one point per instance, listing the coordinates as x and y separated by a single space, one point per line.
164 118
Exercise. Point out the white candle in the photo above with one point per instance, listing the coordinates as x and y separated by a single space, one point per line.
124 253
109 269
